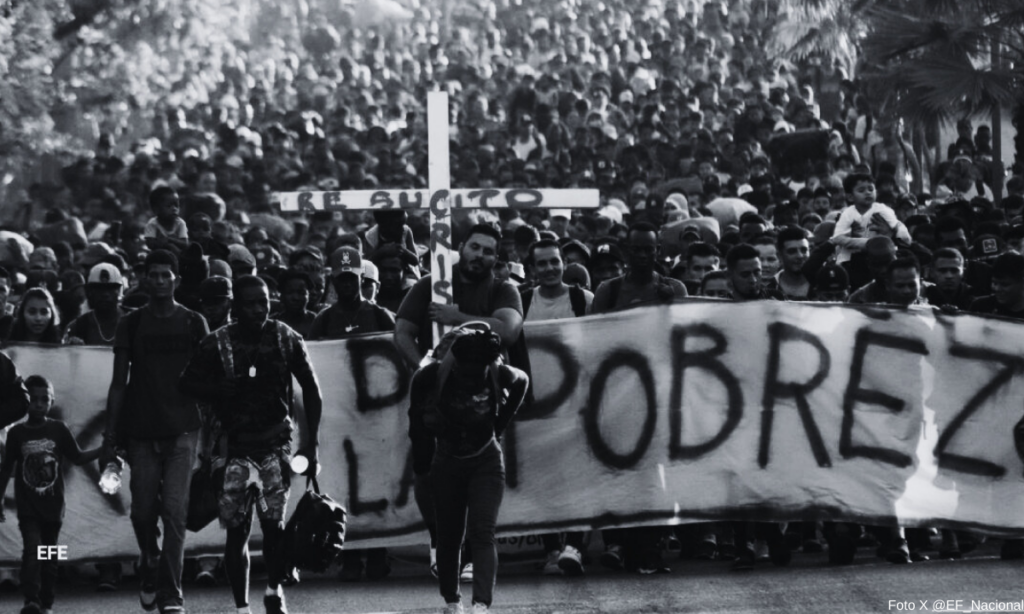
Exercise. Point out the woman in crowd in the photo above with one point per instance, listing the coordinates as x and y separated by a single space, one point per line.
36 319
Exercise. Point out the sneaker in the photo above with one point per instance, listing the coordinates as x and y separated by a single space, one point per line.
31 608
433 562
812 546
274 604
110 577
570 561
479 608
899 554
454 608
551 566
652 564
707 550
950 548
744 559
612 557
147 598
467 573
207 575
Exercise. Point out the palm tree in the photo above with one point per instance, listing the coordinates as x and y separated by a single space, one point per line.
927 62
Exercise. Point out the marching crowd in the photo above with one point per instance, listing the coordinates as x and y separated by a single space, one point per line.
722 173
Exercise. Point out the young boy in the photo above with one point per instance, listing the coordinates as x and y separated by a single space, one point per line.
864 218
166 230
295 290
37 447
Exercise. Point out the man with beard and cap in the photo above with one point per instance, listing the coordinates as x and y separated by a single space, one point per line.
478 296
395 266
215 298
98 326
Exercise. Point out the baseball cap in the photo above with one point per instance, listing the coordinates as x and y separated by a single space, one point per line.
370 271
240 253
607 250
215 288
105 274
346 259
831 278
987 246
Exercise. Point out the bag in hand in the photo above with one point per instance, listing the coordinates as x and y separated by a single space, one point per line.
315 534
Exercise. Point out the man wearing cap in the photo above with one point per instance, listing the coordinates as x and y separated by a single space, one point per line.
606 262
103 290
215 297
351 314
831 284
241 260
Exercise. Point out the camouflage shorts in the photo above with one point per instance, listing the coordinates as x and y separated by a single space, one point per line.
272 478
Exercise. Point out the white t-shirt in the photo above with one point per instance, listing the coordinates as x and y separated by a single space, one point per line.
847 244
559 308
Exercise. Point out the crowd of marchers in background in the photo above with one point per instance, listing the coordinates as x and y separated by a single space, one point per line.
722 173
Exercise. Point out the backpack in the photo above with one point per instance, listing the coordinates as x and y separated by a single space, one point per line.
433 418
315 534
577 300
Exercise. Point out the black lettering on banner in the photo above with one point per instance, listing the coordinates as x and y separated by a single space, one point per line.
381 199
332 200
523 198
780 333
306 202
360 351
405 202
436 199
485 197
704 360
356 506
965 464
443 286
855 394
620 359
441 230
570 371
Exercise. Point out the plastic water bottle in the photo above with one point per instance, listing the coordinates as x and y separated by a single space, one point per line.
300 464
110 481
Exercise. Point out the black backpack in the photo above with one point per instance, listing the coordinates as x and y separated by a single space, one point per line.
315 534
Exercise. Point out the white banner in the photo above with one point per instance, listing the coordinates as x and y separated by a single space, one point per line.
769 411
484 198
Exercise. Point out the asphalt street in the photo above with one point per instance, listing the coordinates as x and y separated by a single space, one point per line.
809 584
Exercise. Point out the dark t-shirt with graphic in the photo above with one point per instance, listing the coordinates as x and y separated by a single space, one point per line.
337 323
38 452
159 348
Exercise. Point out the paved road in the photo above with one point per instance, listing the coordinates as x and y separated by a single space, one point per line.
808 585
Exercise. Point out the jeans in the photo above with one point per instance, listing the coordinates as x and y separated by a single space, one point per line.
161 472
38 578
467 496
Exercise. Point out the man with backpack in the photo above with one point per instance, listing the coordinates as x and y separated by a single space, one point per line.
245 370
554 299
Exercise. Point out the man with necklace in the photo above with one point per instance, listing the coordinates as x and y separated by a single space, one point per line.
103 290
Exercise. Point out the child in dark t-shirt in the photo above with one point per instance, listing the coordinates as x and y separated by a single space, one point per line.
36 448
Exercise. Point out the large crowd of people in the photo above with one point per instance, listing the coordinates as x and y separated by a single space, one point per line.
723 173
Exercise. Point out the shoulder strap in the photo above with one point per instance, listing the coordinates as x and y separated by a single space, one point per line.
527 298
578 300
614 287
227 357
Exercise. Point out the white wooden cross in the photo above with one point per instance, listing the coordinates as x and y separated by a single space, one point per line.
438 198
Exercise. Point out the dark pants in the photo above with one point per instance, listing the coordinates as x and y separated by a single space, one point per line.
38 578
161 473
467 497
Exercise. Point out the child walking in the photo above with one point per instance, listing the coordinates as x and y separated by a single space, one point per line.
36 448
